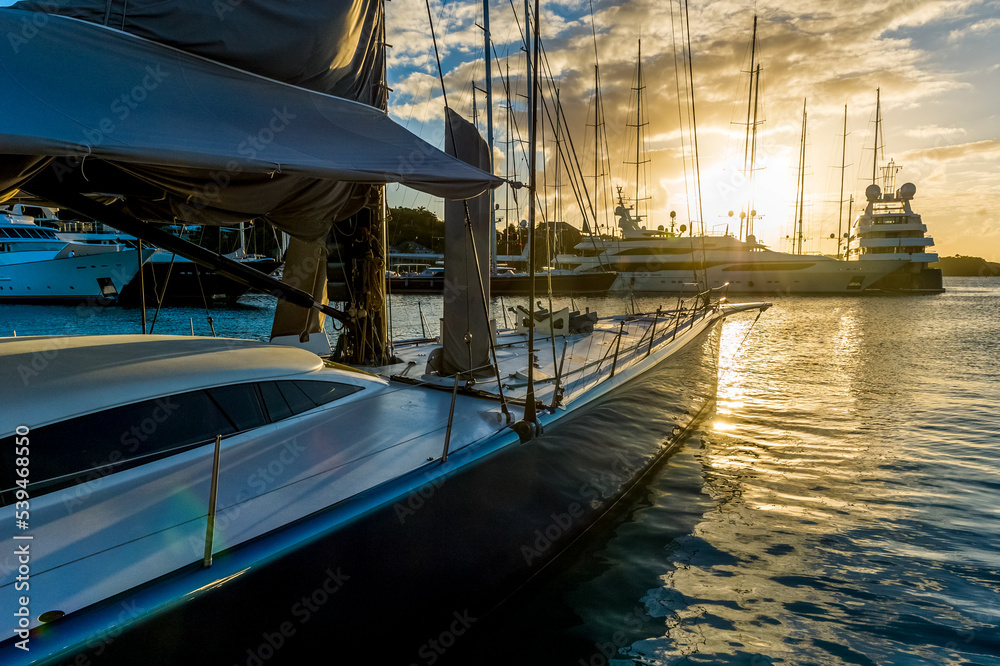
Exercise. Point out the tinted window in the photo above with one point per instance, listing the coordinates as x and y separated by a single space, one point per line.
277 408
99 444
297 401
93 446
324 392
284 399
240 404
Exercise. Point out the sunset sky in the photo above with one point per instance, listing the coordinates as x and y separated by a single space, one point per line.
936 63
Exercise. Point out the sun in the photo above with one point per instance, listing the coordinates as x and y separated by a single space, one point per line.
765 201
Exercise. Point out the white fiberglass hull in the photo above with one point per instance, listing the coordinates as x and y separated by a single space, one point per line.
810 275
100 276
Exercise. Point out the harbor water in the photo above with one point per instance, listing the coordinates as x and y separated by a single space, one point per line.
842 505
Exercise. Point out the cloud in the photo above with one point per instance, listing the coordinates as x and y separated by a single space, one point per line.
978 28
830 52
933 131
978 151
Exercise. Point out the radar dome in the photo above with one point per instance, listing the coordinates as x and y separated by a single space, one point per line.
907 191
873 192
751 239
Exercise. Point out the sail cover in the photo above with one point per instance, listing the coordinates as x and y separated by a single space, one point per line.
183 135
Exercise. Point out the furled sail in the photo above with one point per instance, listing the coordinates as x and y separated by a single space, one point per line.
215 113
466 331
181 136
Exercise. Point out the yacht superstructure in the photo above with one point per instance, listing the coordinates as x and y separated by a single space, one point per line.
888 229
664 261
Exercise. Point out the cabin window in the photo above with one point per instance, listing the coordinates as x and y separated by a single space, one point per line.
277 408
284 399
240 404
324 392
91 447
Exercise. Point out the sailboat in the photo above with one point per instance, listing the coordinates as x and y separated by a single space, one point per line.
38 266
172 499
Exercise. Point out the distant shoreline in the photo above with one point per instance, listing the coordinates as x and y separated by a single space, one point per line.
961 266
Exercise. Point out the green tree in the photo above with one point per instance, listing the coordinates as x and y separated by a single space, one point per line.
415 224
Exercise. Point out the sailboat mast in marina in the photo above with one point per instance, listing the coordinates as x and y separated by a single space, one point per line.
750 141
800 193
279 471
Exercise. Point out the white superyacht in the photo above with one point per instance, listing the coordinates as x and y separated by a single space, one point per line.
666 261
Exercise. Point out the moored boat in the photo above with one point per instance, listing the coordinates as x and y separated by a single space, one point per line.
664 261
211 494
36 266
121 518
889 230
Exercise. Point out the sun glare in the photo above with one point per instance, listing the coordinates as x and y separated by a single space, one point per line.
769 196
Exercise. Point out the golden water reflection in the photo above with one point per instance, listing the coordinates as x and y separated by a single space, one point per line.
808 463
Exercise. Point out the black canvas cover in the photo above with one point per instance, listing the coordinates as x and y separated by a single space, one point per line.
210 112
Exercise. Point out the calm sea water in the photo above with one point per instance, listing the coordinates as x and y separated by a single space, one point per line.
842 506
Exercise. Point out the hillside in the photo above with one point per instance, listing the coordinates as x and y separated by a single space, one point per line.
967 266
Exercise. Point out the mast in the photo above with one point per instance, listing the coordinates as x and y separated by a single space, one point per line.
598 163
843 167
751 212
640 122
751 103
800 197
878 113
750 140
489 131
531 47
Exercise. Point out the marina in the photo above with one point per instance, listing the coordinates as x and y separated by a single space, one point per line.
481 398
808 493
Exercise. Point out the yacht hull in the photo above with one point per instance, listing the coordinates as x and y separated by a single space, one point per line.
514 285
97 277
808 275
184 282
425 556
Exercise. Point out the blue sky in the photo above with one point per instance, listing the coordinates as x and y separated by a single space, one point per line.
936 63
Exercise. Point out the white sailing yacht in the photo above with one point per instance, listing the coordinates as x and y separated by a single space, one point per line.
178 499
